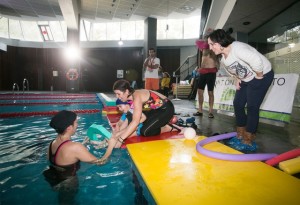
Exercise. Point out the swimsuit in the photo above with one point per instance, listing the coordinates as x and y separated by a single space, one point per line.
66 169
154 102
160 113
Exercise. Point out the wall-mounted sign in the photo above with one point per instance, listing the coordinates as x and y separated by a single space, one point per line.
120 73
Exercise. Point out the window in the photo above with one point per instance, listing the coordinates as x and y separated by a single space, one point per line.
113 31
109 31
31 31
58 30
46 32
127 30
178 28
4 27
15 30
191 27
98 32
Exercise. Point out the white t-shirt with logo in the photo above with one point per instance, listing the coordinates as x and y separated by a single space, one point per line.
244 60
154 72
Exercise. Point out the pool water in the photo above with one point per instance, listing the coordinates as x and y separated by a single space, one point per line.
23 148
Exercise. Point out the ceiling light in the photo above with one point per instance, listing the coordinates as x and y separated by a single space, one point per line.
246 23
120 42
72 52
187 8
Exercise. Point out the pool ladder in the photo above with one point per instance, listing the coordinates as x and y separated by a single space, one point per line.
15 87
25 85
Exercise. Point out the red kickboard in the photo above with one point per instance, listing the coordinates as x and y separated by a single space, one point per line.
163 136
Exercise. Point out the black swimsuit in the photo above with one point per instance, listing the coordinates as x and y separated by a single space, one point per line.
69 170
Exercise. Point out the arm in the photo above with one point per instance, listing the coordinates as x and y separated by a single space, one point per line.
112 142
124 125
237 83
116 141
119 124
82 154
136 115
143 118
155 64
146 62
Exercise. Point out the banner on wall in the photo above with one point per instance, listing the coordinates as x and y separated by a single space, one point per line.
277 104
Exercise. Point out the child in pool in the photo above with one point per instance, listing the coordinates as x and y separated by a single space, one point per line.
127 109
126 118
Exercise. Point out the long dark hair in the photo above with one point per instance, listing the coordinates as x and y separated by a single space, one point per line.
123 85
222 37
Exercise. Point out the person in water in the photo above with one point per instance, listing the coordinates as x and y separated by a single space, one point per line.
63 154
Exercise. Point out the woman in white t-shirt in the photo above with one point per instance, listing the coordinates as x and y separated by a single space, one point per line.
253 74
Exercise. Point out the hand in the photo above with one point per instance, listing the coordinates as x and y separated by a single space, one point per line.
86 140
259 77
237 84
101 161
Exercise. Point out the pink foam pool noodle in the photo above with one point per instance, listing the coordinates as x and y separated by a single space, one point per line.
202 44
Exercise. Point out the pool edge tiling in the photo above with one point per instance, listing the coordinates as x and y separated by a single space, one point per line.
175 173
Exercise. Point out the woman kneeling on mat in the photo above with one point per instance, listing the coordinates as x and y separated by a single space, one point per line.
159 110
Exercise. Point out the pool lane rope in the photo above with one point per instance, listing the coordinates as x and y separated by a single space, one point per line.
26 114
230 157
48 103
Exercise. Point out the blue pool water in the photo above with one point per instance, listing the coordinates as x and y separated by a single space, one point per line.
23 146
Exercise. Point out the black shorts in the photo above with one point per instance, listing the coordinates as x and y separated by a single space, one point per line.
208 79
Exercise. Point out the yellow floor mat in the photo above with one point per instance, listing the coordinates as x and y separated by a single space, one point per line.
175 173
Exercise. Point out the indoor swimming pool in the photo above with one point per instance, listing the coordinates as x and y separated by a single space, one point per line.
23 147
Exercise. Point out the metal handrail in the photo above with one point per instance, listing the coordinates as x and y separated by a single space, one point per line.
187 67
25 85
15 86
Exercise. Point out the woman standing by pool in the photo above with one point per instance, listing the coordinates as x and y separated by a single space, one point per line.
253 76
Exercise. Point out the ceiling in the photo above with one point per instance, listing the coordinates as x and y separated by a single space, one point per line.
100 10
266 17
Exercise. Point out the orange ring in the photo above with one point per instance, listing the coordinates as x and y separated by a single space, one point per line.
72 74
